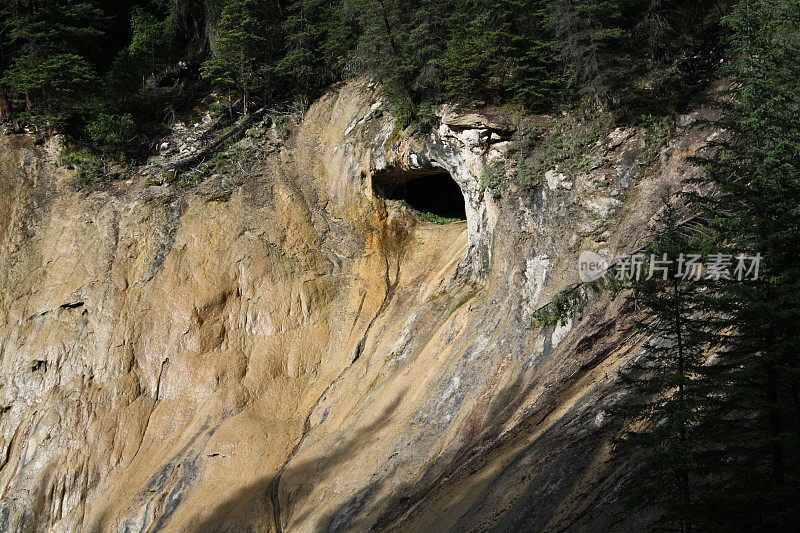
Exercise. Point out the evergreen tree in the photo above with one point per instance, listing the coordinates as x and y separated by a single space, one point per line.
52 53
150 38
380 50
402 46
502 50
319 35
670 394
49 69
6 14
743 462
535 77
754 172
594 44
668 27
477 50
239 54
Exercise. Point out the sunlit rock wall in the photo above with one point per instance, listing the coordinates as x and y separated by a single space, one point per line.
307 355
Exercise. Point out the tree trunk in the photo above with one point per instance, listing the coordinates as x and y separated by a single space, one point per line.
5 109
775 428
686 526
795 392
388 27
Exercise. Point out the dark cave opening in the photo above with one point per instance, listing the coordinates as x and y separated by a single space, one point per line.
428 191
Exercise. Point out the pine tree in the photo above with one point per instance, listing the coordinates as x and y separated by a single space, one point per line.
535 78
754 171
49 69
667 27
6 14
401 46
149 38
476 49
594 44
381 52
238 62
667 386
319 34
502 50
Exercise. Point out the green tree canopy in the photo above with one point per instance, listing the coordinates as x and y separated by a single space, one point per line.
49 70
240 61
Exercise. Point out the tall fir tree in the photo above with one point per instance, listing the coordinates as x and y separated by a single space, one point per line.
594 44
240 61
50 42
401 46
667 386
535 75
754 173
745 428
502 51
476 50
319 35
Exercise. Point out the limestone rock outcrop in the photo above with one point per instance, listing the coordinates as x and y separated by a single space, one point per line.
309 355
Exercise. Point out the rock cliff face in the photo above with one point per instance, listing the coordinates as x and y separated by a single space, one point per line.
310 355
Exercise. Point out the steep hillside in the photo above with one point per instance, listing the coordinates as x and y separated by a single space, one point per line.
310 353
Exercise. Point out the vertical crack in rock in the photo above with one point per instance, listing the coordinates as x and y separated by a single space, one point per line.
164 364
394 236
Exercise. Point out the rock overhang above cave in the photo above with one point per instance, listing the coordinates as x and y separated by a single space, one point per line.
487 118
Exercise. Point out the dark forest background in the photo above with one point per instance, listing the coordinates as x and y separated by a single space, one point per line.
117 72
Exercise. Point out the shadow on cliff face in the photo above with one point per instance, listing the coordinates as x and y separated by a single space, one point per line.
252 508
550 469
555 467
249 510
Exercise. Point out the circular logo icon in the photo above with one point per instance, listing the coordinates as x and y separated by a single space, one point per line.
591 266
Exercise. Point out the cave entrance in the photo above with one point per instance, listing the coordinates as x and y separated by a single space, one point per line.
429 191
